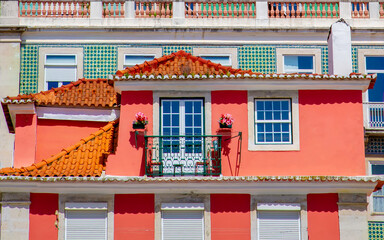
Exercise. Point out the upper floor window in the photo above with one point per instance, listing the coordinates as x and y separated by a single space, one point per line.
273 121
133 59
224 60
60 70
298 64
378 201
298 60
59 66
375 64
86 221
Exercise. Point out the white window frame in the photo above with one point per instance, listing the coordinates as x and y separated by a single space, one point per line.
60 83
279 203
274 121
43 52
295 144
86 201
122 51
315 52
212 51
179 201
307 71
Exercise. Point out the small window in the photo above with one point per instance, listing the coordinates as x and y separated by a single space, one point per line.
377 168
179 219
224 60
273 122
133 59
86 221
298 64
60 70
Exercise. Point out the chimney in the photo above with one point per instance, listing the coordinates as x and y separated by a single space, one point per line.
340 49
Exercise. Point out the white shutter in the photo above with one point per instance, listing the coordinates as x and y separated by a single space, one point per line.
86 224
182 224
279 225
60 73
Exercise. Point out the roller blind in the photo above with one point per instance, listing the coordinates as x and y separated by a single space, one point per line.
86 225
279 225
182 224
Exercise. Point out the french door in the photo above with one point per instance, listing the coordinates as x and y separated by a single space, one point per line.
181 118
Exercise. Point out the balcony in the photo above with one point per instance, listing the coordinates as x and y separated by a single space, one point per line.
277 14
183 155
374 116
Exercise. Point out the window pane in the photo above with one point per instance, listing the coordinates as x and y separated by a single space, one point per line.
60 60
188 120
188 107
374 63
132 60
377 93
197 122
166 120
166 107
65 83
378 204
294 63
223 60
52 85
175 107
377 169
197 106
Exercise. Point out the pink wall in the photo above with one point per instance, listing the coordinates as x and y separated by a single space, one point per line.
42 216
134 216
323 216
331 135
55 135
230 216
129 160
25 140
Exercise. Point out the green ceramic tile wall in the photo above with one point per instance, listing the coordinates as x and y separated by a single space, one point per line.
376 230
100 60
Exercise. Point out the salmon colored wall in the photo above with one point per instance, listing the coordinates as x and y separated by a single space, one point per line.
42 216
55 135
134 216
129 160
25 140
323 216
331 136
230 216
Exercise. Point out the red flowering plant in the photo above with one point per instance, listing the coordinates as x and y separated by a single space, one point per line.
226 120
141 120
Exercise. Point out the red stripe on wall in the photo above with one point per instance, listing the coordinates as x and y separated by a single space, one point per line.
323 216
134 216
42 216
230 216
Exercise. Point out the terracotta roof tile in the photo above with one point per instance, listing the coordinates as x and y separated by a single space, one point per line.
82 93
84 159
180 63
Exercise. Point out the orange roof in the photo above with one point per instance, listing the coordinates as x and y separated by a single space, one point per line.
180 63
84 93
84 159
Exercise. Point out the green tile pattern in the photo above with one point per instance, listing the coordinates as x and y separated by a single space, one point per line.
375 230
174 48
29 68
100 61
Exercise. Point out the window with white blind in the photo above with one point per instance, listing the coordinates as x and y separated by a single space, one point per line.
85 221
60 69
278 221
182 221
133 59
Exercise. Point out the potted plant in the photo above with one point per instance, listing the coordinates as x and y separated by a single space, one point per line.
141 121
226 121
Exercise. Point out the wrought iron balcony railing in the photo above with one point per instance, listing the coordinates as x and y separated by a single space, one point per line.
374 115
183 155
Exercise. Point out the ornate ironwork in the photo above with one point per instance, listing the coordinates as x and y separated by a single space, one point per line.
183 155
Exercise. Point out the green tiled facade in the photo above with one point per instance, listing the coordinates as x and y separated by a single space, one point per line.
376 230
100 60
